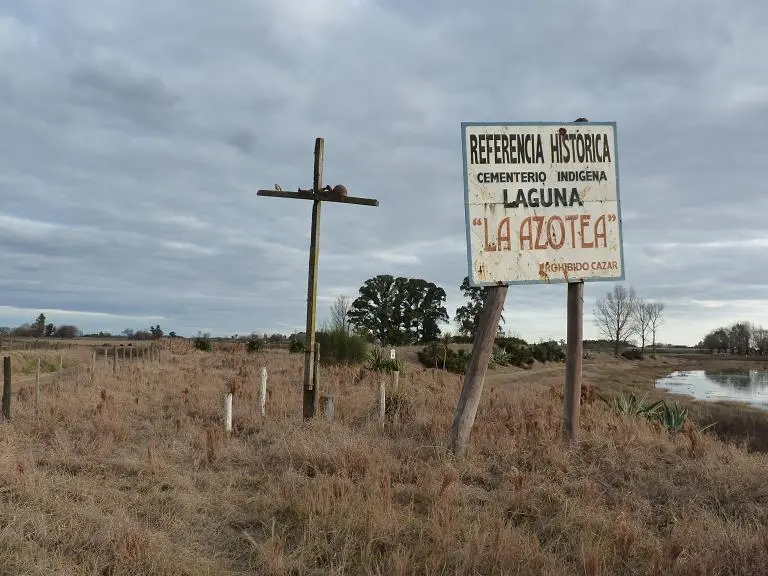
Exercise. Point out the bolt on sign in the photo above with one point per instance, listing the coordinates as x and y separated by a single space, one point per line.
542 202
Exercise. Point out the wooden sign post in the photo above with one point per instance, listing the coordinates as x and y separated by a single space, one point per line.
317 194
542 207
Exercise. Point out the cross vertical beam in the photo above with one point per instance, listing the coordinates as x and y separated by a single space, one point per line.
318 194
310 393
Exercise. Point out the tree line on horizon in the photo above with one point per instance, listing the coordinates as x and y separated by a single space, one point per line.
739 338
41 328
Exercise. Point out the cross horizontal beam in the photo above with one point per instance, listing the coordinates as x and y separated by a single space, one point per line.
322 196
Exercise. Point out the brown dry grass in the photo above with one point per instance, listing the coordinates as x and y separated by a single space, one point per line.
134 475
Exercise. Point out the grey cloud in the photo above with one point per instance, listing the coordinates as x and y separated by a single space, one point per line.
113 89
139 138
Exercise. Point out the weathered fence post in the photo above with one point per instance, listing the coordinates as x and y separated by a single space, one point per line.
263 392
114 361
7 387
382 402
396 382
37 388
228 412
61 361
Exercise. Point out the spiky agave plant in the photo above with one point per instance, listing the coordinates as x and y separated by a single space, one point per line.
672 417
627 403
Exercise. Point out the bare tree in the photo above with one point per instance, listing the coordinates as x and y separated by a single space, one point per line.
339 312
613 314
641 321
656 318
760 335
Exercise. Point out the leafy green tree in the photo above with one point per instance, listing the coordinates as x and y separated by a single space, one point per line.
39 326
156 332
718 339
399 311
468 316
49 329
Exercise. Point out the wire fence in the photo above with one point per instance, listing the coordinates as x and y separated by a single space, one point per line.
23 386
72 375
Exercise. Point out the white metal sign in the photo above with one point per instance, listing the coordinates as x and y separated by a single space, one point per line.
542 202
392 354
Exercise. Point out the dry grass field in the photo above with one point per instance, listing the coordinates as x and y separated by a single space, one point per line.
132 474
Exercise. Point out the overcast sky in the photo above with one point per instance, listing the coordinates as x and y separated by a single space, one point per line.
135 135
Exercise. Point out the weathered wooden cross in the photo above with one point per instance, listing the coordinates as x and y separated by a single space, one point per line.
317 194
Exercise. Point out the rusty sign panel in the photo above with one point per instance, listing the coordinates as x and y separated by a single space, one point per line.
542 202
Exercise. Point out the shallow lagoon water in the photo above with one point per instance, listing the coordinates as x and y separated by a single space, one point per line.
749 386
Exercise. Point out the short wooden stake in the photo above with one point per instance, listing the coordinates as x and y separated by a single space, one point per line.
61 361
573 360
37 388
382 402
472 390
396 380
228 412
263 392
7 387
114 361
327 401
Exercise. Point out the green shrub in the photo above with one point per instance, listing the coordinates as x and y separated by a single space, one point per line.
517 350
633 354
339 347
296 347
499 357
549 351
254 344
435 355
204 344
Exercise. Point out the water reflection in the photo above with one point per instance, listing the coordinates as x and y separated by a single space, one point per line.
754 380
749 386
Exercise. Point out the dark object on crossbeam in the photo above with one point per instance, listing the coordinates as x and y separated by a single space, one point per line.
326 194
